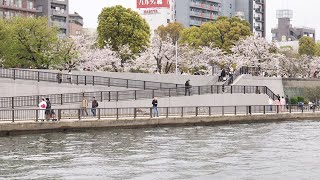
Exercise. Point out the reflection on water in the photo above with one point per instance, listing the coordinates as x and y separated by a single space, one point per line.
256 151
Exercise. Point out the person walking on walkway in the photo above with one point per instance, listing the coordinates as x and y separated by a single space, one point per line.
42 106
48 109
84 106
59 77
69 76
155 107
94 106
283 103
187 88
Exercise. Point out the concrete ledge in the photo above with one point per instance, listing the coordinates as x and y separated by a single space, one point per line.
37 127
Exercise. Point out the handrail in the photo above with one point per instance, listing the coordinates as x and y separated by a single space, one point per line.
61 99
83 79
29 115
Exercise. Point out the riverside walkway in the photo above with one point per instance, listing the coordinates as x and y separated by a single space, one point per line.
26 120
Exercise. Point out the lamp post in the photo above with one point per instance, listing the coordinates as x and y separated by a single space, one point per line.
177 57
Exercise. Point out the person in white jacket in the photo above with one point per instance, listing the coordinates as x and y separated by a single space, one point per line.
42 106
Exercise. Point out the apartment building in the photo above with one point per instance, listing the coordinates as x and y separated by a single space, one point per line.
75 24
57 12
196 12
10 8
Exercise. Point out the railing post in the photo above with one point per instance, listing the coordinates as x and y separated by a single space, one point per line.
144 85
109 82
109 94
181 111
199 90
235 110
250 110
77 79
211 89
117 95
38 74
314 109
169 92
135 94
99 115
101 94
218 89
167 113
59 114
14 74
247 110
197 111
150 112
152 93
244 89
61 99
12 102
222 110
290 110
117 113
85 80
209 110
160 85
264 109
277 109
302 108
127 83
135 113
12 115
231 89
79 114
93 80
37 114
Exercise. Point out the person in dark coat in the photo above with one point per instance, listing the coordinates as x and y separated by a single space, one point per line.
223 74
155 107
187 88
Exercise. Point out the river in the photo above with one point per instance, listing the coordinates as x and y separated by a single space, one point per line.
288 150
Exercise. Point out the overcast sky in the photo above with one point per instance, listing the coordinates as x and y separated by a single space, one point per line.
305 13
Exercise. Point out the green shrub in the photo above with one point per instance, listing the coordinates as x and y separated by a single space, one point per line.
294 100
300 99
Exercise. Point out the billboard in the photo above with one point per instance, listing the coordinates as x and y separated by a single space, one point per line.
153 4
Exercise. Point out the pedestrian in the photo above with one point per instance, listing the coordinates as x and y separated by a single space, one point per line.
287 101
187 87
282 103
155 107
48 109
42 106
271 102
94 106
84 106
69 76
223 75
59 76
277 103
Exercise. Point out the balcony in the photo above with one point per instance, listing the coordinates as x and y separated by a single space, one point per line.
259 10
204 15
260 1
195 22
59 12
16 8
205 6
259 19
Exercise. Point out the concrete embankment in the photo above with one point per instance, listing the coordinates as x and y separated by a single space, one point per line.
65 125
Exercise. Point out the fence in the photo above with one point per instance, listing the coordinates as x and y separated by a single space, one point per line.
18 115
83 79
61 99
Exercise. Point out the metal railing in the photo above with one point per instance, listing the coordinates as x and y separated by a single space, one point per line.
83 79
61 99
19 115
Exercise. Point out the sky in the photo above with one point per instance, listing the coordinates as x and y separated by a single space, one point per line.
305 13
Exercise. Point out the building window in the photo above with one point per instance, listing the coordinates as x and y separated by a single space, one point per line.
230 6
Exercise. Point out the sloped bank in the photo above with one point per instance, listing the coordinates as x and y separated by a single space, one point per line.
39 127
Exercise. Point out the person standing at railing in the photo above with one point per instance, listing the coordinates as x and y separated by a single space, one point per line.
187 87
84 106
223 75
287 101
48 109
59 77
42 106
155 107
69 76
94 106
282 103
271 103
